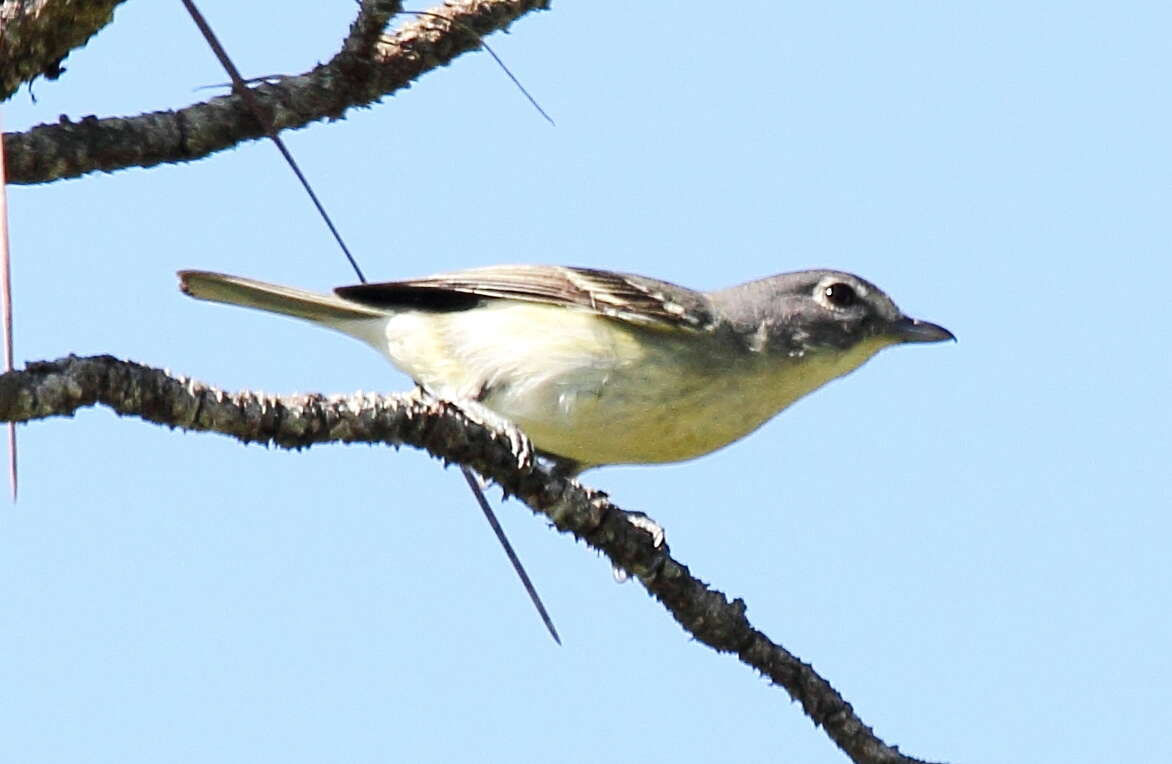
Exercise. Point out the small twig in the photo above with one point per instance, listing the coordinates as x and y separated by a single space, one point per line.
369 24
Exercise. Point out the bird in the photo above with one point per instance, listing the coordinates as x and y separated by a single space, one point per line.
598 367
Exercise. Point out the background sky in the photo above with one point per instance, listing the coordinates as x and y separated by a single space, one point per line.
970 541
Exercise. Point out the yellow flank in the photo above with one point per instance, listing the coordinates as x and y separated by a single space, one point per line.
667 418
602 396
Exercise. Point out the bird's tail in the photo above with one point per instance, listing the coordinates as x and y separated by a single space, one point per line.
235 290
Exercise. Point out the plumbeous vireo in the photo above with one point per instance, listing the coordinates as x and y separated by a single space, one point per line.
606 368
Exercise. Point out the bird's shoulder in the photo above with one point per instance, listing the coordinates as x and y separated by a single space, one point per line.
622 296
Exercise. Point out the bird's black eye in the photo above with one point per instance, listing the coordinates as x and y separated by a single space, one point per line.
841 295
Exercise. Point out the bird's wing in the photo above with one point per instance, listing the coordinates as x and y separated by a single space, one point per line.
617 295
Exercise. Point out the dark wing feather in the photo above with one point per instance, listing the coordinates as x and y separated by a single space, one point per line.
618 295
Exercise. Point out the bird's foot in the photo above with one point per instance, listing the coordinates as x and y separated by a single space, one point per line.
646 524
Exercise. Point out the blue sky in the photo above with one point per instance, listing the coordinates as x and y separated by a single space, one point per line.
969 541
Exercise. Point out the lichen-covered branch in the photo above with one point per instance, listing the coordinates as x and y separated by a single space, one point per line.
367 67
36 35
500 453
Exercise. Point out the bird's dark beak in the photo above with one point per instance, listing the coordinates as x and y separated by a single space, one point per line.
913 330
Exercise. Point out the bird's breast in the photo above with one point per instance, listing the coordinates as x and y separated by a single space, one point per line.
601 391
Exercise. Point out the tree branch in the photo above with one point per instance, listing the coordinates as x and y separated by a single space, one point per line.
37 35
495 449
368 67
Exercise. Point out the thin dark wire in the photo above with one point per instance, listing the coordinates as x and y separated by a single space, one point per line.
480 40
321 210
517 566
250 101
